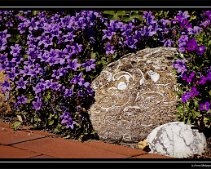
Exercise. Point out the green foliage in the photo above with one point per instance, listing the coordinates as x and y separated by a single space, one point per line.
16 125
123 15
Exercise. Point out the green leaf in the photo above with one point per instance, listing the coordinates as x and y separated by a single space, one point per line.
109 12
35 12
16 125
67 137
93 55
210 92
51 122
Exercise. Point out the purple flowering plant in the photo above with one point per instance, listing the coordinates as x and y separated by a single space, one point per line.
48 68
51 57
193 69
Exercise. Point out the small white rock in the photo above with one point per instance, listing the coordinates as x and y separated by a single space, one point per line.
176 139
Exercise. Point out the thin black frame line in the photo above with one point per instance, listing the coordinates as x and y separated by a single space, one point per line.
103 7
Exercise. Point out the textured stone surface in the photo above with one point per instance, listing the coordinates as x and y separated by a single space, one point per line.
176 139
134 94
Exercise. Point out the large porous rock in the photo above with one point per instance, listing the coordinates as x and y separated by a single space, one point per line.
134 94
177 139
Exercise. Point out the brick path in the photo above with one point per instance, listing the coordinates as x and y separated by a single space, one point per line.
26 143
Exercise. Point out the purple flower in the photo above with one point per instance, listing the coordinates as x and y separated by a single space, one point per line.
77 47
109 49
39 87
89 91
2 66
203 80
3 57
208 14
69 37
188 78
27 71
48 83
131 42
56 74
86 84
209 76
180 66
22 99
4 34
204 106
182 41
194 30
51 61
165 22
149 17
21 83
3 43
205 23
89 65
127 32
55 86
12 74
192 45
5 86
200 50
182 16
46 40
194 92
68 92
186 96
77 79
15 50
67 120
44 57
168 43
81 93
32 24
37 104
74 65
108 34
22 27
55 30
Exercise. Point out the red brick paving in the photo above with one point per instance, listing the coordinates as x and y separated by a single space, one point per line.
26 143
62 148
115 148
8 136
43 156
11 152
153 156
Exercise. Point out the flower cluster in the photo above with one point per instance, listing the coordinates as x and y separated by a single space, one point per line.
45 64
194 69
67 120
